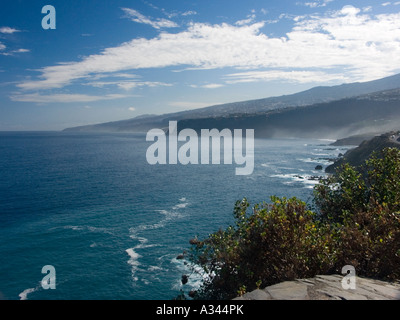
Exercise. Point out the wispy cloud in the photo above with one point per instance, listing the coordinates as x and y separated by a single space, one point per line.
3 52
208 86
250 19
290 76
63 98
359 44
13 52
136 16
8 30
189 13
128 85
318 3
385 4
111 75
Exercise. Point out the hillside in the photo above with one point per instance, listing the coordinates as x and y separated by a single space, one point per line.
357 156
354 140
378 112
310 97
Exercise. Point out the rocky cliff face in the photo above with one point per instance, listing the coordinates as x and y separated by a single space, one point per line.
356 157
327 288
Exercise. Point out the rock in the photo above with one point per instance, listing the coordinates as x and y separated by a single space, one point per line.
354 140
357 156
326 288
256 295
318 167
288 291
185 279
180 257
194 241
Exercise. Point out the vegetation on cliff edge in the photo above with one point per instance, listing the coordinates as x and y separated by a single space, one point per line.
355 221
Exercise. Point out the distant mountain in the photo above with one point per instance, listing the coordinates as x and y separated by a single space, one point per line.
313 96
357 156
378 112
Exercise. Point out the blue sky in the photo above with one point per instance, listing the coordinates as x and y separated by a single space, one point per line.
114 60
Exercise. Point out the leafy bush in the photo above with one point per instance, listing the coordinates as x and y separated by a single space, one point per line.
276 242
357 222
364 210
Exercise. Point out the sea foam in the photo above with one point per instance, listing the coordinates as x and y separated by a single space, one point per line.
24 294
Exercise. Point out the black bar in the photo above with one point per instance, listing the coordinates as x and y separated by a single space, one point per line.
200 309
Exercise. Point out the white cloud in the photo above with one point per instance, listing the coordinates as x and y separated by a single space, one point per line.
349 10
290 76
8 30
131 109
209 86
386 4
360 45
250 19
128 85
157 24
13 52
21 51
212 86
63 98
189 13
311 4
126 75
99 76
316 4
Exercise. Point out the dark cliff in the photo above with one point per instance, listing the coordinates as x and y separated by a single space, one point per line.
357 156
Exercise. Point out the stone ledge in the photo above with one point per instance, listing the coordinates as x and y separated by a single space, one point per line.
326 288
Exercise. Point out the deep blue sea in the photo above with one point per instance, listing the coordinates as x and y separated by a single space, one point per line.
111 224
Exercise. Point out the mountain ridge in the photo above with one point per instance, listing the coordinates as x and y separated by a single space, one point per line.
310 97
376 112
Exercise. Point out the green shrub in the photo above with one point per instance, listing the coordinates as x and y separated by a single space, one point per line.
276 242
364 209
357 223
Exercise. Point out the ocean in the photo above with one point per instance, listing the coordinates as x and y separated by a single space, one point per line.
111 224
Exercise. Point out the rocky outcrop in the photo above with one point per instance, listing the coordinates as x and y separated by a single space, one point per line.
355 140
356 157
326 288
